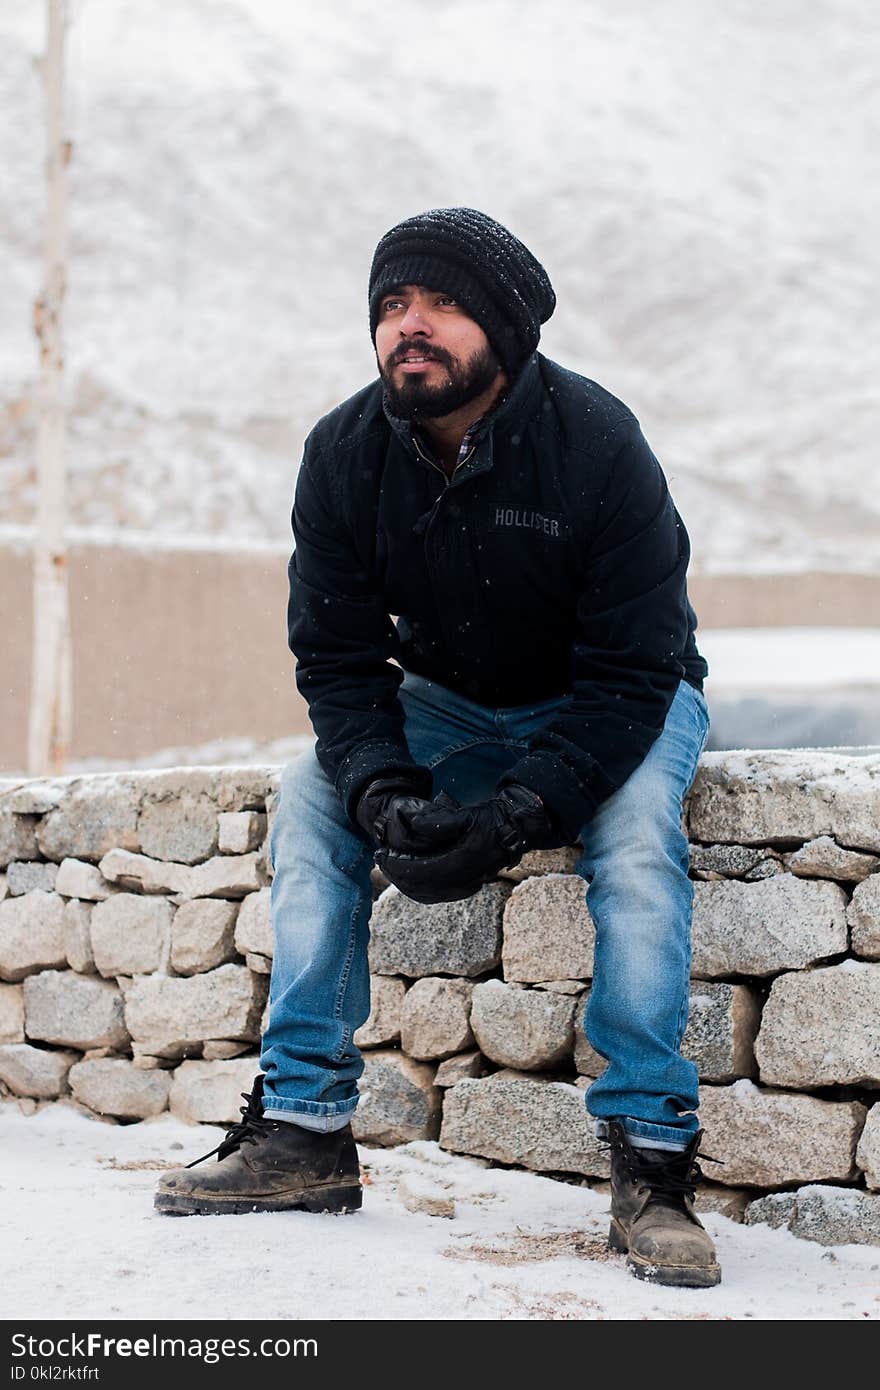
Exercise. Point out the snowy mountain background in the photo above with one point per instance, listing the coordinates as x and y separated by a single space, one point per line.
699 178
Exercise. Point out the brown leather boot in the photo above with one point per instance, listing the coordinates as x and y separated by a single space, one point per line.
652 1213
267 1165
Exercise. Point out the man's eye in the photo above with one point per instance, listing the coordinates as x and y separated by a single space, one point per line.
447 299
391 304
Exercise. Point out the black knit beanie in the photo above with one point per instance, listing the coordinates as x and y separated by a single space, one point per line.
478 262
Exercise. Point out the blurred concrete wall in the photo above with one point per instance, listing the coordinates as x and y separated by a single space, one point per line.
182 646
170 648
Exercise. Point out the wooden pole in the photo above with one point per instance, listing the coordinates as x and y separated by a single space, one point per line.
51 699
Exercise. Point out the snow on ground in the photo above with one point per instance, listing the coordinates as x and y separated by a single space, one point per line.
77 1211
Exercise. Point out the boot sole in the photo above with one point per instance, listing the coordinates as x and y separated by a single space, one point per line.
676 1276
331 1199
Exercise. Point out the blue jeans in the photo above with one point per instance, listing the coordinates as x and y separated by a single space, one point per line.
635 860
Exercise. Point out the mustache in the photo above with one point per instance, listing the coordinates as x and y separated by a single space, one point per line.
433 354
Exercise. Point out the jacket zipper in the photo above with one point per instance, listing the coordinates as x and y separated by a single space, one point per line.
447 478
433 512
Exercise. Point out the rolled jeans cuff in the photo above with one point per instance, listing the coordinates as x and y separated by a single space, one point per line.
319 1124
642 1135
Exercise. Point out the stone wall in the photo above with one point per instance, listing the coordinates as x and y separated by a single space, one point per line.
136 945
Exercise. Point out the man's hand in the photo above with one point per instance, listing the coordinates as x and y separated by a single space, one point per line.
386 809
481 840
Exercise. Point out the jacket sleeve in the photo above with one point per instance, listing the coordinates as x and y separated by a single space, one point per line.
342 637
631 627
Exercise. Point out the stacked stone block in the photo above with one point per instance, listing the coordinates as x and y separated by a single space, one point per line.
136 944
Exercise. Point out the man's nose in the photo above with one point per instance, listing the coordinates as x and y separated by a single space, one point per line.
414 321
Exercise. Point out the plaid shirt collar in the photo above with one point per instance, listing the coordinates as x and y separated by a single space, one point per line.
466 443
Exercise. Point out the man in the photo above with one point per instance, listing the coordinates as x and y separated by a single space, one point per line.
548 688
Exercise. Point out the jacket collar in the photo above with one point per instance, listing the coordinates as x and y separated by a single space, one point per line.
504 419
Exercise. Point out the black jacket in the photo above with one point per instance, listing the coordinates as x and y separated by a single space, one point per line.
554 561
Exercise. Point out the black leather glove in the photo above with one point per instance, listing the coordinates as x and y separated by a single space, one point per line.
492 835
384 810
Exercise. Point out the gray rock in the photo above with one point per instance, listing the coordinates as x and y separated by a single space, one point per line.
768 868
773 797
249 789
541 1125
78 937
530 1029
147 875
253 930
416 939
131 934
587 1061
771 1138
823 858
31 934
537 1078
463 1067
36 796
725 1201
868 1151
774 1210
240 831
224 876
97 814
822 1027
544 861
562 986
227 876
77 879
434 1020
713 862
720 1034
18 839
4 887
828 1215
35 1071
73 1010
216 1049
863 916
386 1002
398 1100
177 825
782 923
261 965
165 1013
548 931
26 875
114 1086
211 1092
203 935
11 1014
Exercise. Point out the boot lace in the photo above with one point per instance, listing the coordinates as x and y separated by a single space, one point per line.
671 1178
248 1130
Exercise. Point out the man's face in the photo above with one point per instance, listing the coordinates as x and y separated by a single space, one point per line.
433 358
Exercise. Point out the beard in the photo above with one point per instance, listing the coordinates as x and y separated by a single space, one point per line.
415 399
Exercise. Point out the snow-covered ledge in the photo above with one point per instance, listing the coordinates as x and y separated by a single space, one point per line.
136 944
